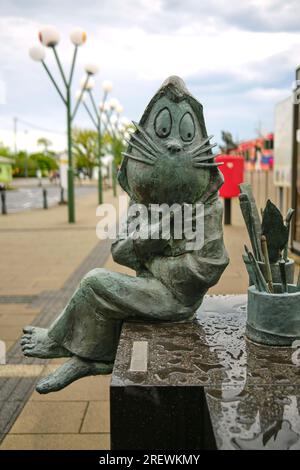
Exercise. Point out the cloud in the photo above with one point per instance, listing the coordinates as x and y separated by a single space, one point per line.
251 15
237 57
165 15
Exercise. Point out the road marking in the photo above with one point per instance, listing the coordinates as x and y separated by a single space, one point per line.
139 357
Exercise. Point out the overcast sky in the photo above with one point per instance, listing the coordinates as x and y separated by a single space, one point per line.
237 57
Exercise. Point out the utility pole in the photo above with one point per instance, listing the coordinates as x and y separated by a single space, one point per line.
15 135
26 153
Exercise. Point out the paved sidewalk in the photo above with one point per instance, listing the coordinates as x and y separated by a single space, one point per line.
42 258
40 254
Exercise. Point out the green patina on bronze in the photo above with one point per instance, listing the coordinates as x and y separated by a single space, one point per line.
168 160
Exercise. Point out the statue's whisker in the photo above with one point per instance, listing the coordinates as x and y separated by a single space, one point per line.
207 165
142 144
203 142
146 136
200 150
141 150
198 158
138 159
207 139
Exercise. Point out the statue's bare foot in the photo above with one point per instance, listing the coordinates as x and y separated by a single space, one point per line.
75 368
36 343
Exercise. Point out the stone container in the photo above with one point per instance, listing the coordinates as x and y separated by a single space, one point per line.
289 269
274 319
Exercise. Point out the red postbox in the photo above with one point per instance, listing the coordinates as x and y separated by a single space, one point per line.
233 172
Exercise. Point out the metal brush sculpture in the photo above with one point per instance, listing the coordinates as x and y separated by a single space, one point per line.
276 236
273 298
168 161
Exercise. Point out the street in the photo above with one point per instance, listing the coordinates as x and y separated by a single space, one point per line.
23 199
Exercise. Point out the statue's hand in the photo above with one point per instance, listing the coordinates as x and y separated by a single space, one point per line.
123 252
148 240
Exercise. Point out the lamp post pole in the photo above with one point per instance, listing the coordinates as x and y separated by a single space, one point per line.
97 121
49 37
99 144
115 136
71 198
114 168
100 185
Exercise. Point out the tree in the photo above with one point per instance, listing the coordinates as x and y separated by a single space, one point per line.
85 149
5 151
44 143
43 162
229 143
25 163
22 165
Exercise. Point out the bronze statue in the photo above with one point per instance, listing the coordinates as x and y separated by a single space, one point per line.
168 160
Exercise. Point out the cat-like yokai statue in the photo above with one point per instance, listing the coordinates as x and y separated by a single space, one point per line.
168 161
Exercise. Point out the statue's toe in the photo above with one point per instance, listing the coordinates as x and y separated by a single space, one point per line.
28 346
25 339
43 386
51 383
28 352
28 329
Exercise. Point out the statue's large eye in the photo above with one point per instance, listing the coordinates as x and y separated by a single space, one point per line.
163 123
187 127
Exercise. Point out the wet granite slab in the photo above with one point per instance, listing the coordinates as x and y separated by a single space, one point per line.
255 417
221 389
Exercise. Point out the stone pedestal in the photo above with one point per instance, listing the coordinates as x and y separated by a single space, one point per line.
157 400
201 385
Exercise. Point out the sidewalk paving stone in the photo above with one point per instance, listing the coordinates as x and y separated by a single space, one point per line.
99 409
56 442
50 417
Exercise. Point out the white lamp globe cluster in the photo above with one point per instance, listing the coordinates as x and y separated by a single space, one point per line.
107 86
49 36
78 36
103 106
119 109
87 83
113 103
91 69
37 53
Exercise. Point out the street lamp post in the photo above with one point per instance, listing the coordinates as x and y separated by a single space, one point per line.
97 121
113 126
49 37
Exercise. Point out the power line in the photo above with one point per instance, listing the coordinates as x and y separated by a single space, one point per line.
40 128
